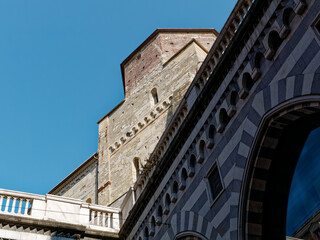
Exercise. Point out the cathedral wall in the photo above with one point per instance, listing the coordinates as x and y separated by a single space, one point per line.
285 74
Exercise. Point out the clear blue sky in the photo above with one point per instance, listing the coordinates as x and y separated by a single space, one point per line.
60 73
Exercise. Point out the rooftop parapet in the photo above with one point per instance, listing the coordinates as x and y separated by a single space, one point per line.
52 211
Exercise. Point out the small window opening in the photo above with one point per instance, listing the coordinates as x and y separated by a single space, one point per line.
175 189
212 131
202 148
167 203
159 215
233 98
184 177
258 59
89 200
146 233
153 226
223 117
247 82
154 96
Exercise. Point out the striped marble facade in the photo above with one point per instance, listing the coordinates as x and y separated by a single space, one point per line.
285 88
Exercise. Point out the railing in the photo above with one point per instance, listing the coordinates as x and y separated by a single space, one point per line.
99 216
15 205
20 206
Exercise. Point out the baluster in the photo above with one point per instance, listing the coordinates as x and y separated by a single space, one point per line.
92 217
103 219
1 202
14 203
26 207
20 205
109 219
6 209
98 218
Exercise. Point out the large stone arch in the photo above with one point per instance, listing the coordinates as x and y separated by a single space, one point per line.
191 222
265 188
295 101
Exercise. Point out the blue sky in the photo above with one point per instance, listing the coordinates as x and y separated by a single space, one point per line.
60 73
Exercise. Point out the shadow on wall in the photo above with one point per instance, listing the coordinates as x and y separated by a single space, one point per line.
176 99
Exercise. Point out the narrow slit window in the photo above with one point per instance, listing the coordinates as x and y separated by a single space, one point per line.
154 94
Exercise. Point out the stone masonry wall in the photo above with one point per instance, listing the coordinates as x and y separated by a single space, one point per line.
133 129
82 186
160 50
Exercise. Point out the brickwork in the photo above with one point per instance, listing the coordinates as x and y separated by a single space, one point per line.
157 52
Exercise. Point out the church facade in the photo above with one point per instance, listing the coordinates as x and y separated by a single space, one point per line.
212 140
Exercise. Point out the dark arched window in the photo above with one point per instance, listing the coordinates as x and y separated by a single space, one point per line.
146 233
184 177
247 82
159 215
153 226
223 117
175 189
274 41
287 16
167 204
233 98
192 165
258 60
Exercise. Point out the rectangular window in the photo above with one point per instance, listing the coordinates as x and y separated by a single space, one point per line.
214 183
316 26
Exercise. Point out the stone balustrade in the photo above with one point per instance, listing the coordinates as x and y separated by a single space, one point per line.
55 210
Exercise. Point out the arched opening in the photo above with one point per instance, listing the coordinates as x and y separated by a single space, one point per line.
247 82
192 165
89 200
223 119
274 41
258 60
287 16
153 226
167 204
211 135
266 212
233 98
184 177
146 233
175 189
154 94
159 215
